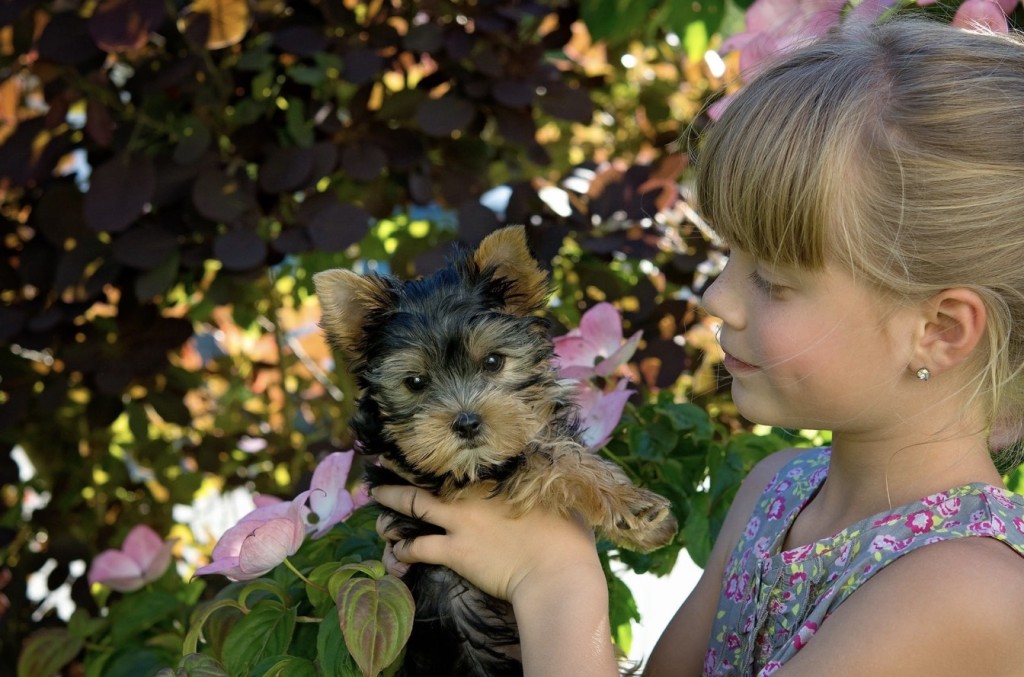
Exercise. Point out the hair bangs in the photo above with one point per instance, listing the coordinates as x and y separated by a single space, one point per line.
772 172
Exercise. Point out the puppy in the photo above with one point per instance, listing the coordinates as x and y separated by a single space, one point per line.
459 390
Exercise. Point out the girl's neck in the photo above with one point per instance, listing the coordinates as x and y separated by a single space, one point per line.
870 476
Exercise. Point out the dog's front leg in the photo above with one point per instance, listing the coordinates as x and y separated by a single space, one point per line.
577 481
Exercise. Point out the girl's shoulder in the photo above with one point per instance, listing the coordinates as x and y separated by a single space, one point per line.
761 478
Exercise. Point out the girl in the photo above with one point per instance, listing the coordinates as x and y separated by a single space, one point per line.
869 186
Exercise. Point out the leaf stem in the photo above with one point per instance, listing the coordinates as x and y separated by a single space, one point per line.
288 563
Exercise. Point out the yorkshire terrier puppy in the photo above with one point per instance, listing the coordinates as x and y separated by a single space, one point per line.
459 390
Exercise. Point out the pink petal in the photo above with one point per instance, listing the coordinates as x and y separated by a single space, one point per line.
227 566
600 412
737 41
767 16
142 544
869 10
601 326
116 570
230 542
985 13
159 563
611 364
328 497
577 373
266 546
263 500
716 109
573 351
361 496
759 50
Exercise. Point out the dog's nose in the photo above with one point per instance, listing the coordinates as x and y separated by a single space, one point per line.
467 425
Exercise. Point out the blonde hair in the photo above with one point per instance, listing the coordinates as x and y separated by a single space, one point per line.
897 150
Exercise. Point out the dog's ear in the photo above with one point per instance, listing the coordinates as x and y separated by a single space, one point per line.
346 298
506 252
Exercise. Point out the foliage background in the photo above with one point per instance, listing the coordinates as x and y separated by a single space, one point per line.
173 172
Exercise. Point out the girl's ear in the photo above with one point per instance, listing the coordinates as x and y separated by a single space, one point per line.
953 324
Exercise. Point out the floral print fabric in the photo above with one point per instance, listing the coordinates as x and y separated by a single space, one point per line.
773 601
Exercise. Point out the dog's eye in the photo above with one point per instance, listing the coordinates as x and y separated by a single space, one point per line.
494 362
416 383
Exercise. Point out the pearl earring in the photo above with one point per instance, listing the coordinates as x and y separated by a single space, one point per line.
923 374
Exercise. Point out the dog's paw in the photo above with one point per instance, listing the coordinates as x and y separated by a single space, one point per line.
646 523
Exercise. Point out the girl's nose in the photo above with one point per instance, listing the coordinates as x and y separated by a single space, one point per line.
721 301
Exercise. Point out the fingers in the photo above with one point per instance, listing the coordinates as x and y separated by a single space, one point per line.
411 501
392 564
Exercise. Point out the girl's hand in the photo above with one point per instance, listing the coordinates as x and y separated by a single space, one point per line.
483 543
546 565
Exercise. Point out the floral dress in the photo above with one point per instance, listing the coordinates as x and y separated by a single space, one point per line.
773 601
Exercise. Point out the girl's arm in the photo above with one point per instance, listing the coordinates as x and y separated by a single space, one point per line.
547 566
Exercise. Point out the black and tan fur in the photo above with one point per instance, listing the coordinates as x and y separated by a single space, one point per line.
459 389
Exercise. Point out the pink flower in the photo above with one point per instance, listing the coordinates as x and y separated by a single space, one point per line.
596 347
885 521
329 501
983 13
143 558
752 527
988 526
777 25
804 634
775 510
949 507
885 543
260 541
600 411
920 522
798 554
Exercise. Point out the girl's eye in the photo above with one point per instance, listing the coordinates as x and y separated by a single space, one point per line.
494 362
416 383
760 283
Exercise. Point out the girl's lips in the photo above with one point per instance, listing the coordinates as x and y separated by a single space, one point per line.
734 365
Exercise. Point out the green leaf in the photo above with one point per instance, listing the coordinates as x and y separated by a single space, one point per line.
47 651
296 122
196 665
697 531
134 614
138 661
291 667
158 280
331 654
319 596
199 618
613 21
680 16
623 612
265 585
371 568
376 619
82 625
265 631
